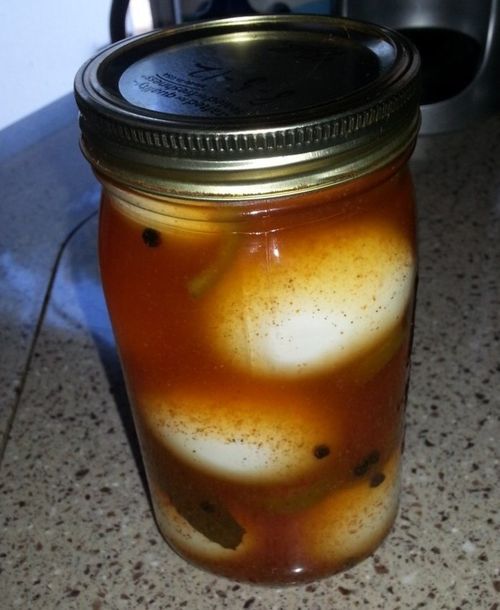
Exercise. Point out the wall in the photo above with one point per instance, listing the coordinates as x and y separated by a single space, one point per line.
42 44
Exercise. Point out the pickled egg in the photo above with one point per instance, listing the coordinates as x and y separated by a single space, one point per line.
300 305
255 437
351 522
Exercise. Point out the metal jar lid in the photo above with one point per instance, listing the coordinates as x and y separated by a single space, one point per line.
249 107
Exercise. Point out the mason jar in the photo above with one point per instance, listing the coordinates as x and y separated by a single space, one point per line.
258 259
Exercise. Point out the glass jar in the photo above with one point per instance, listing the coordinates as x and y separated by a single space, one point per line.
258 258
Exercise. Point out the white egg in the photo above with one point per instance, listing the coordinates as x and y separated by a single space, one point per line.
352 522
264 437
311 303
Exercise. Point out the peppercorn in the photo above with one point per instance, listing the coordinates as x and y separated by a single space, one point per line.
151 238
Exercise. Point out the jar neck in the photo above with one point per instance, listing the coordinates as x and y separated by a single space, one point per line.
258 214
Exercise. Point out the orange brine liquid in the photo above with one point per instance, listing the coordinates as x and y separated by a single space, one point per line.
265 347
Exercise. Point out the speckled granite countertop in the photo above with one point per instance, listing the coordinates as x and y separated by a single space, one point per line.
76 529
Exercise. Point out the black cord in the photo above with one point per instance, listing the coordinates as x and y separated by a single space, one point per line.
117 19
37 332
